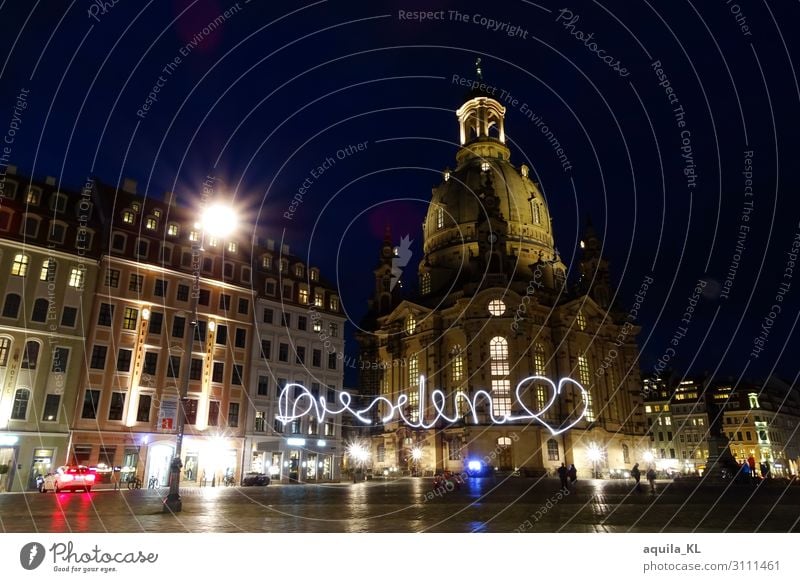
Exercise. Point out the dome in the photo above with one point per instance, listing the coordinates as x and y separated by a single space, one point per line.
457 205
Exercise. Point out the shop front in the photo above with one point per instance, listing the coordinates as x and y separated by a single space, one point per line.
23 457
296 460
207 461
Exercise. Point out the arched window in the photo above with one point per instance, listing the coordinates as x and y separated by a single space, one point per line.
552 450
457 363
19 410
48 272
11 305
39 313
413 392
585 377
581 321
439 217
411 324
501 385
31 356
503 441
626 454
536 212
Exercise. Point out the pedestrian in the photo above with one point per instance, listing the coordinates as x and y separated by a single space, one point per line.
766 465
572 473
751 462
651 478
637 475
562 474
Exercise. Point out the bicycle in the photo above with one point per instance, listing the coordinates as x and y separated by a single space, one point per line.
134 483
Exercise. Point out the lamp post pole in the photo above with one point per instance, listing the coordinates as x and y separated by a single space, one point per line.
173 501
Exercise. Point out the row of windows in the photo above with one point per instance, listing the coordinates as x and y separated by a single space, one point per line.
116 407
30 355
299 271
299 354
47 272
161 288
56 203
304 295
268 316
56 231
314 428
97 361
263 389
22 397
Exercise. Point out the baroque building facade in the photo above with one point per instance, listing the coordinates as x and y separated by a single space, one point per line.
48 264
494 308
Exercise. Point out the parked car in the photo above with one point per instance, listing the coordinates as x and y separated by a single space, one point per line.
68 477
251 479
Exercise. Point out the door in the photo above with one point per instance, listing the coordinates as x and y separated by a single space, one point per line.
505 457
42 465
294 466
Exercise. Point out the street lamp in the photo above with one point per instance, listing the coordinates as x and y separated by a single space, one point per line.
358 454
595 454
216 220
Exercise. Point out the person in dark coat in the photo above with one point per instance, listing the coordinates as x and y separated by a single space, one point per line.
651 478
572 473
637 475
562 474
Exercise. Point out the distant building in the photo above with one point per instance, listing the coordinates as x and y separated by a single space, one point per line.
299 339
48 269
760 421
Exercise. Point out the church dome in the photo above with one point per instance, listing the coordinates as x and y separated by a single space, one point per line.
457 206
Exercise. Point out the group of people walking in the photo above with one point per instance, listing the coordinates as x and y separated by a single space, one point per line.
567 476
636 473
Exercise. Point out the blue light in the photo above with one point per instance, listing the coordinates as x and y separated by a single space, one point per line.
474 465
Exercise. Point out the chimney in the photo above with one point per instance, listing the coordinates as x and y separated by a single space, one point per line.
270 244
50 181
285 249
129 185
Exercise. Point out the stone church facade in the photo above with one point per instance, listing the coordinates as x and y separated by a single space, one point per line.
494 308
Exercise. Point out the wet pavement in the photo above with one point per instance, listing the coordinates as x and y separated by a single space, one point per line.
412 505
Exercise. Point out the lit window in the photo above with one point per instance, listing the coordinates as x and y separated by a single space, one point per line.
150 224
131 316
524 170
439 217
413 393
172 230
266 262
20 265
314 275
231 247
319 298
194 236
157 213
501 385
212 242
585 377
425 284
539 360
446 175
76 277
298 271
581 320
303 296
33 196
135 206
753 400
317 325
457 364
48 272
333 304
536 212
411 324
485 166
497 307
127 217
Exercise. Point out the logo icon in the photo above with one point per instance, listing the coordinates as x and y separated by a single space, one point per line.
31 555
402 255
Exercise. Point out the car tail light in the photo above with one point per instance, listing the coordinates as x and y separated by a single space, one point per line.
66 477
89 477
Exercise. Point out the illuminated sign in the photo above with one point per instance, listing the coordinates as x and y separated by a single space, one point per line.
296 442
304 403
6 441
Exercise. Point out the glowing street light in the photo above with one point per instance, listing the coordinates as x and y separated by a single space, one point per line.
648 457
595 454
416 454
217 220
359 454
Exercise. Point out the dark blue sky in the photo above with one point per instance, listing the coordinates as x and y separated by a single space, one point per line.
277 88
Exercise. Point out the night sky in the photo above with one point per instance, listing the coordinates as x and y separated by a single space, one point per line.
264 97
